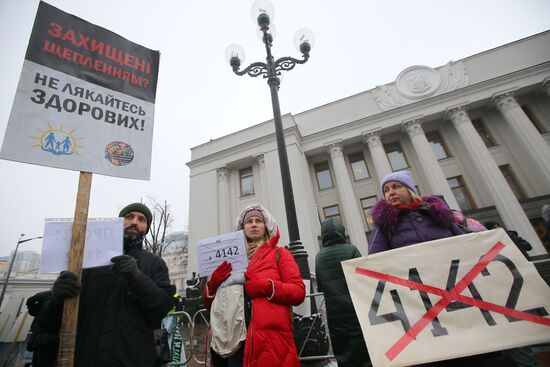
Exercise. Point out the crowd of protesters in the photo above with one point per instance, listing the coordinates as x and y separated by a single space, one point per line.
250 312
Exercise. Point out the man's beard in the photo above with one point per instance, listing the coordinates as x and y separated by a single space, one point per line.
133 235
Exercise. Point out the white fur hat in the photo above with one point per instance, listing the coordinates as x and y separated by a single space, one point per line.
269 221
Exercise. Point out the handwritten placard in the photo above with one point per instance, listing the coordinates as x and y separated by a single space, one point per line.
103 241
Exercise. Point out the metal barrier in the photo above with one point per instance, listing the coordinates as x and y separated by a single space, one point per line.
183 322
202 312
319 314
188 329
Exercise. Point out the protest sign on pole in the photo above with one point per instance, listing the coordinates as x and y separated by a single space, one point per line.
84 102
448 298
85 99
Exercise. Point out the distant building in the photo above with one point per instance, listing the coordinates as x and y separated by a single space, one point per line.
26 261
175 257
476 130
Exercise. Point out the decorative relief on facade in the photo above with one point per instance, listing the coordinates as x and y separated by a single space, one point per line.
336 150
223 173
419 82
413 128
506 101
373 139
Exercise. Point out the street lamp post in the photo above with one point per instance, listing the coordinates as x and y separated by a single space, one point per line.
20 241
263 14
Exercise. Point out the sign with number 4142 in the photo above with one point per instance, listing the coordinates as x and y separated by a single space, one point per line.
226 247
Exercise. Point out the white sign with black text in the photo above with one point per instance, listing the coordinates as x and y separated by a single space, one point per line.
448 298
226 247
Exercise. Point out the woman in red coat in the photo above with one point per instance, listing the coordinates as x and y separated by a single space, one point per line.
272 284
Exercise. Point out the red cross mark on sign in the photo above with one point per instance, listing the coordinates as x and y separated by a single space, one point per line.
447 297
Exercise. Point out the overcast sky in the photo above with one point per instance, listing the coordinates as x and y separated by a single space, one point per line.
359 44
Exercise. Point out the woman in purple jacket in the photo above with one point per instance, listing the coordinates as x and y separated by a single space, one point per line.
404 219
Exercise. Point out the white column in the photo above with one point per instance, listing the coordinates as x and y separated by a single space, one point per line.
437 182
350 205
224 201
505 201
531 140
263 180
381 162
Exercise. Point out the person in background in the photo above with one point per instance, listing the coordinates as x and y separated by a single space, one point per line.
546 215
520 242
178 302
42 344
403 219
546 218
120 304
250 313
348 343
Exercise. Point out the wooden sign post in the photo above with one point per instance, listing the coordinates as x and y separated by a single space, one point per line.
67 333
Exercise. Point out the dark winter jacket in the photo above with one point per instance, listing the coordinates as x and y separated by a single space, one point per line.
520 242
394 227
116 317
43 345
346 337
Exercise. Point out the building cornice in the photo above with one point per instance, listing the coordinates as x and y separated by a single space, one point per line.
394 117
250 148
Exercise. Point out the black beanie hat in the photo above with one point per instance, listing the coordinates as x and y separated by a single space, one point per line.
138 207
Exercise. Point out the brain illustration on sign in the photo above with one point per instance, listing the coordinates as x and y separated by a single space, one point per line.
119 153
57 141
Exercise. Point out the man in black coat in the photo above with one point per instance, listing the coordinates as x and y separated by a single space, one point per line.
120 305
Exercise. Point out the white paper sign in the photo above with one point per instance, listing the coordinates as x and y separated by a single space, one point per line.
226 247
103 241
448 298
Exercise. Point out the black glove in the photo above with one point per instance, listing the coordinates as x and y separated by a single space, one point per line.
66 285
125 264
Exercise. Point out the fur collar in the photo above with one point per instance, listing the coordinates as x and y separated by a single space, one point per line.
386 216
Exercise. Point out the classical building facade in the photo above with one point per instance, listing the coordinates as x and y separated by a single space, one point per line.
476 130
175 257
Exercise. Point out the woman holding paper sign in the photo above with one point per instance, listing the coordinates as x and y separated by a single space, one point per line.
404 219
250 313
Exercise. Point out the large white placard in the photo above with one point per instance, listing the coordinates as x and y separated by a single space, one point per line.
85 100
41 132
448 298
226 247
104 240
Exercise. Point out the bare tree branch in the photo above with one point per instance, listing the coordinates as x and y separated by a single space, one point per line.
155 241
